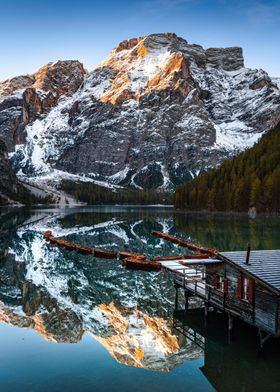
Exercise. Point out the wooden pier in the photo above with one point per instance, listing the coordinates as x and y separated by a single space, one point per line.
247 288
190 277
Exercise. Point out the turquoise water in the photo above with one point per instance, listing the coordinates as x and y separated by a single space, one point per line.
76 323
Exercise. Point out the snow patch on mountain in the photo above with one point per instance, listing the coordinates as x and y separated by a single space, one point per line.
228 136
145 67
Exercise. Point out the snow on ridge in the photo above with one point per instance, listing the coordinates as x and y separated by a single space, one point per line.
277 82
95 85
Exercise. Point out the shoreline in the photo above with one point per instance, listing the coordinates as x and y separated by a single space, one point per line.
228 213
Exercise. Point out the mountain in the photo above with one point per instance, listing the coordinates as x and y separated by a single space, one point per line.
156 112
251 179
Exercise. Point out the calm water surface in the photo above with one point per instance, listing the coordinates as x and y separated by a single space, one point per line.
76 323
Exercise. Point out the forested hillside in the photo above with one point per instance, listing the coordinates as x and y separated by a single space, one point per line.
91 193
250 179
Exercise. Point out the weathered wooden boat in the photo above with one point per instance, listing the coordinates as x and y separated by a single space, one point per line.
85 250
125 255
52 240
144 264
47 234
69 245
104 253
59 242
184 257
187 244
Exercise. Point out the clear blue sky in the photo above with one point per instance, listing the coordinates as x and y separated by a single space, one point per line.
36 32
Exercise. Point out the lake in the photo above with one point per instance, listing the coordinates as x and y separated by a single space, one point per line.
72 322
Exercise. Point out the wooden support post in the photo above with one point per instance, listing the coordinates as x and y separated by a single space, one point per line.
262 339
230 323
230 327
176 297
186 300
206 311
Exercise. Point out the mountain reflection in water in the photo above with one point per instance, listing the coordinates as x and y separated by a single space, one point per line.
63 295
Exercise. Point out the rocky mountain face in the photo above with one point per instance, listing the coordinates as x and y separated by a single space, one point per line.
23 99
10 188
157 111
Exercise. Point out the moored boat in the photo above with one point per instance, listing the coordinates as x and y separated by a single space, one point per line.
184 257
47 234
125 255
85 250
187 244
69 245
144 264
104 253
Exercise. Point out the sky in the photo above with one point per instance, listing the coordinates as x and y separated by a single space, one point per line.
34 33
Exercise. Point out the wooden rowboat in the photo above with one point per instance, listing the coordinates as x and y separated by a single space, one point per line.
59 242
104 253
184 257
69 245
187 244
126 255
141 264
47 235
85 250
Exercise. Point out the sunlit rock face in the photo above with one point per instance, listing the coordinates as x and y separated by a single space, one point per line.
145 64
63 295
155 112
25 98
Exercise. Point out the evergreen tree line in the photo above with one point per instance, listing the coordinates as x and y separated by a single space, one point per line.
251 179
22 196
94 194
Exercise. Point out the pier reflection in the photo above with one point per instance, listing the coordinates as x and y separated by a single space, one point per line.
231 366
